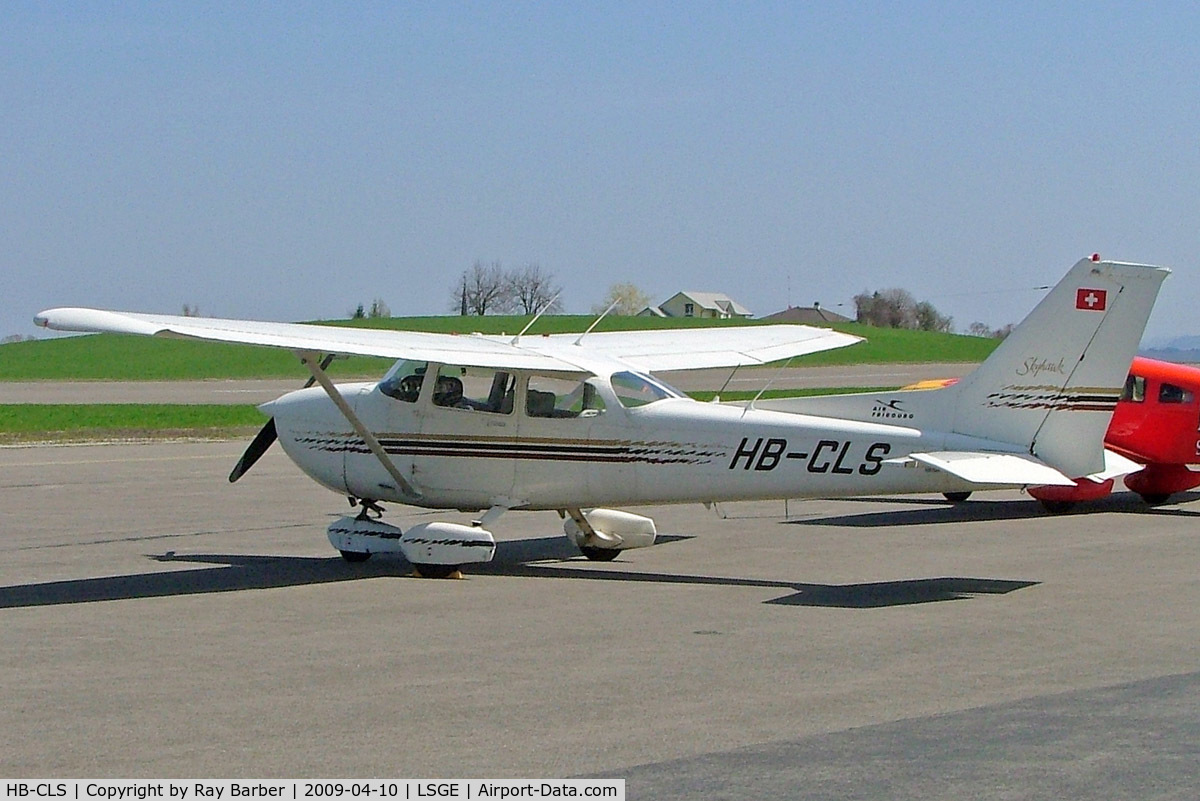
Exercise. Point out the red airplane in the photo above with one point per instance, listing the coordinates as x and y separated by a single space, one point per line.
1156 423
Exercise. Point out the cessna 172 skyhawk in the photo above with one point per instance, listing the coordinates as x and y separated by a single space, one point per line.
578 423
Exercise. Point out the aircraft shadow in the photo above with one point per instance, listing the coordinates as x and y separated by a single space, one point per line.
547 557
932 511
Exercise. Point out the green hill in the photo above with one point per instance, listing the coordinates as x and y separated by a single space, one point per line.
133 358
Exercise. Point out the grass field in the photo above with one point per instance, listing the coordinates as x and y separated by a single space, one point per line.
31 422
132 358
28 422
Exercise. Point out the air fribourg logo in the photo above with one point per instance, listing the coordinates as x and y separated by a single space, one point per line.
891 410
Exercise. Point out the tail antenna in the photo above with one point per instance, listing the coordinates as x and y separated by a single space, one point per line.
604 314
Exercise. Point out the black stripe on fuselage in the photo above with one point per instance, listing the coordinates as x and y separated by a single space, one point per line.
613 452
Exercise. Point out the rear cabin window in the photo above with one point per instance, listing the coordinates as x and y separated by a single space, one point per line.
1169 393
1135 389
561 398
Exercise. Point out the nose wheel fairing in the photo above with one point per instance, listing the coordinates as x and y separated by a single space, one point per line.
434 549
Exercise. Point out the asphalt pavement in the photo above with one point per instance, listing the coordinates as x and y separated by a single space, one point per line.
160 622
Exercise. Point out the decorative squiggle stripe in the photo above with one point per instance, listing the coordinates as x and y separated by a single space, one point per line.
460 543
1078 399
383 535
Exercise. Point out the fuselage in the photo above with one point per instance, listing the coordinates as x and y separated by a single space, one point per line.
1157 423
543 442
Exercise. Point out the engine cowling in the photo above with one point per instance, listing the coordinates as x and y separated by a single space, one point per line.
618 530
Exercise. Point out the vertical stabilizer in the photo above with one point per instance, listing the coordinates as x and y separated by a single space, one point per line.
1053 383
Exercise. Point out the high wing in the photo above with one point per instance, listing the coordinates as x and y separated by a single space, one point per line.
565 353
695 348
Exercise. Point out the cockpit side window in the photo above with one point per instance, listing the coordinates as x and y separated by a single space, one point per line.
474 389
635 389
1169 393
404 382
562 398
1135 389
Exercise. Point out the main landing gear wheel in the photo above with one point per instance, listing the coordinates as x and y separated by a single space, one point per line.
355 556
956 497
599 554
1156 498
1057 507
436 571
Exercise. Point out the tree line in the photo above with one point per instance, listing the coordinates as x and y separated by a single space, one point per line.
491 288
897 308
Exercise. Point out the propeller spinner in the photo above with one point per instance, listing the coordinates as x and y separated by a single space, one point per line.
266 437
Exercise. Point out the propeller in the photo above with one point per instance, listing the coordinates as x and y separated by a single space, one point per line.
258 446
266 436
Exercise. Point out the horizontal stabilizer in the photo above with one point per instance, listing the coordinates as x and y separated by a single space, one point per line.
993 468
1115 465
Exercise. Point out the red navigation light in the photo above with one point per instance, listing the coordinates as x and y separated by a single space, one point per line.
1095 257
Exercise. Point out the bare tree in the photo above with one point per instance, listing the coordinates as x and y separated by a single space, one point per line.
532 290
482 290
628 298
978 329
887 308
379 309
897 308
930 319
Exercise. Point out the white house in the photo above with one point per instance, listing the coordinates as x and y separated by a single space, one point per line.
698 304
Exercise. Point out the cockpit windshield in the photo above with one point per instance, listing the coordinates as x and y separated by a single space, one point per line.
404 381
636 389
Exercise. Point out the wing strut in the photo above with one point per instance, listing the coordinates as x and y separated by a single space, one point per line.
312 362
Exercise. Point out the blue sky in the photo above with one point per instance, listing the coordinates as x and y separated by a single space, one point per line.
288 161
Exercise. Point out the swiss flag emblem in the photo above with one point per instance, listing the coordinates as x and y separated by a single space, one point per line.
1091 299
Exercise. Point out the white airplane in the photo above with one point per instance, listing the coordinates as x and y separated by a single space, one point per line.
578 423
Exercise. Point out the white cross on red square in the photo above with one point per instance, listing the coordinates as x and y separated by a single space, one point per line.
1091 299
